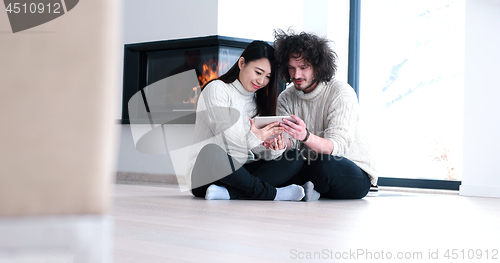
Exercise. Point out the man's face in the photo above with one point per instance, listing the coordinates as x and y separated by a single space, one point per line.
302 74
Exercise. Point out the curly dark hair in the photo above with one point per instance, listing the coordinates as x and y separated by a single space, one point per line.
313 49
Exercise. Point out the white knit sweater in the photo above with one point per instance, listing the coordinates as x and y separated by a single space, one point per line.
330 111
223 113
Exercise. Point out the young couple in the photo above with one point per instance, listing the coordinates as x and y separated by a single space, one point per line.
326 155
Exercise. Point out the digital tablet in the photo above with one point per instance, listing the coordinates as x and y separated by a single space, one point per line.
261 121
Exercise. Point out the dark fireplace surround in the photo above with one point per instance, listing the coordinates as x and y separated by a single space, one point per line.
146 63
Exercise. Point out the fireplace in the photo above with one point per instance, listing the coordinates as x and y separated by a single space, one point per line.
148 63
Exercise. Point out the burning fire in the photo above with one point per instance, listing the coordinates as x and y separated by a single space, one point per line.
209 72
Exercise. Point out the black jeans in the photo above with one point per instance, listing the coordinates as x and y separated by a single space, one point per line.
334 177
256 180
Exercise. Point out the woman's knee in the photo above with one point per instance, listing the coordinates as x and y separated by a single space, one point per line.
211 165
212 153
211 149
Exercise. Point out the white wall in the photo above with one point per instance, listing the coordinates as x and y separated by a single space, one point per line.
258 18
482 89
155 20
338 32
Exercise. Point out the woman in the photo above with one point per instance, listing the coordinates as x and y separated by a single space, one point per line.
226 160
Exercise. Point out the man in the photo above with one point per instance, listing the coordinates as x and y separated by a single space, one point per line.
326 114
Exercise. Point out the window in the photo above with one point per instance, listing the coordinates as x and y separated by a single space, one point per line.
411 80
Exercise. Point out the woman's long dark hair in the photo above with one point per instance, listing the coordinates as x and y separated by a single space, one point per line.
266 97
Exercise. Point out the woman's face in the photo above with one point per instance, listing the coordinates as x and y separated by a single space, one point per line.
255 74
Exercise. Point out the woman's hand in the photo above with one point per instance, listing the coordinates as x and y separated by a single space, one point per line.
266 131
278 143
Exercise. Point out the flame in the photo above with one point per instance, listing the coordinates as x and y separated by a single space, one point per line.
209 72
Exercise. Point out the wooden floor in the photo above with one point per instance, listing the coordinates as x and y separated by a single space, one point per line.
162 224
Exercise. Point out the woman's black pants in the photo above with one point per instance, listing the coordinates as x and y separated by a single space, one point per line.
255 180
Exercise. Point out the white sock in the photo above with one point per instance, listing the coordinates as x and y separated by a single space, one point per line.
311 194
215 192
292 192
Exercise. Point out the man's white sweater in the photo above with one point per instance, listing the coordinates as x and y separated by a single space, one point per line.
330 111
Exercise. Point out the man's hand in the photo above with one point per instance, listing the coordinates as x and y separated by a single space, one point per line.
296 130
